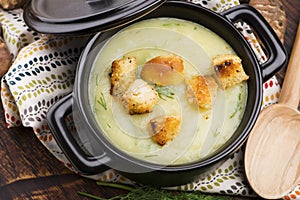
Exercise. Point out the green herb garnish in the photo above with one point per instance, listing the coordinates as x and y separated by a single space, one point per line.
166 24
102 101
164 92
114 185
238 107
149 156
151 193
216 133
97 79
90 196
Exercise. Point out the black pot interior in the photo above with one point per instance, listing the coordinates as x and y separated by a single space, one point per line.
220 26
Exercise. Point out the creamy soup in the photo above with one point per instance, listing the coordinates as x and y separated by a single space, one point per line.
201 131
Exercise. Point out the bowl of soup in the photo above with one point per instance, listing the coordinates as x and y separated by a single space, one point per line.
168 97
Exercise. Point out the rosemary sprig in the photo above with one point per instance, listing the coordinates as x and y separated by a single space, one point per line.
164 92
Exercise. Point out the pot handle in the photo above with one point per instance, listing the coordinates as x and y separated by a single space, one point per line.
84 163
276 51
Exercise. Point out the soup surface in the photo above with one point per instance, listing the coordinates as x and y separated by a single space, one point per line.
202 131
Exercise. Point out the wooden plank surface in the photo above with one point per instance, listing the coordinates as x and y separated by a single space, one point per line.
29 171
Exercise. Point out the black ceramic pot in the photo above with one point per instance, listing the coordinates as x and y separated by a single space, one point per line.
147 173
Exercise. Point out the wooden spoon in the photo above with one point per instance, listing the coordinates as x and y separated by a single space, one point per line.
272 155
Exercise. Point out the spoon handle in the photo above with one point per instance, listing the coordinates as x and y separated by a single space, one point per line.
290 93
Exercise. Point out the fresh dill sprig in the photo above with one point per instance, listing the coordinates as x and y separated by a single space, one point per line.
149 156
238 107
152 193
164 92
97 79
90 196
114 185
102 101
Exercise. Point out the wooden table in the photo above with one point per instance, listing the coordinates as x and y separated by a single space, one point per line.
29 171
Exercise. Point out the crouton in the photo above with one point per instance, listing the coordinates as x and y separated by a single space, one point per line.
201 91
228 70
140 97
123 73
164 129
164 70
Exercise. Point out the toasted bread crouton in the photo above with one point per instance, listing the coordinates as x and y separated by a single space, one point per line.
140 97
228 70
123 73
201 91
164 129
164 70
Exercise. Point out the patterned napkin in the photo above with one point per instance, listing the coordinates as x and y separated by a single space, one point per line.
43 72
